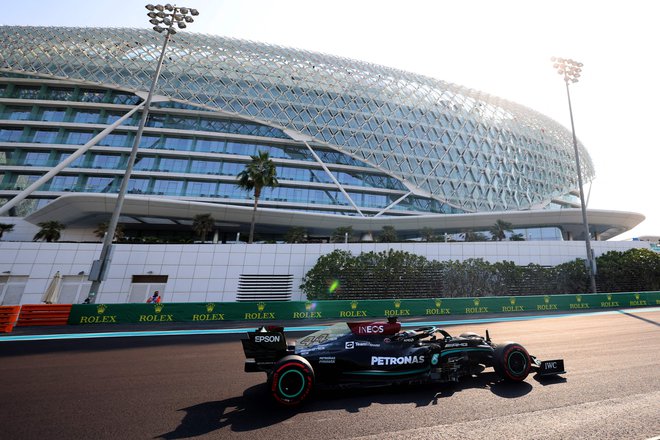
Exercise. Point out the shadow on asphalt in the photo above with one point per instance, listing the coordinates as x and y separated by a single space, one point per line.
246 413
24 348
549 380
632 315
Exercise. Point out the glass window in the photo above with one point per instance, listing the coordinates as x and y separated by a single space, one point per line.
213 125
78 163
150 142
86 116
232 169
100 184
52 114
206 145
201 189
173 165
16 113
145 163
121 98
156 120
115 140
25 180
183 122
26 92
63 183
105 161
43 136
181 144
78 137
92 95
240 148
59 94
229 190
112 117
138 186
205 167
36 158
168 187
10 134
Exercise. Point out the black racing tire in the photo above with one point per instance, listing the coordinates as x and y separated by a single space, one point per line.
511 362
291 381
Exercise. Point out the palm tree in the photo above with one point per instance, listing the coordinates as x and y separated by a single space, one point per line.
388 235
296 234
50 231
499 229
473 236
339 234
5 227
202 224
257 174
102 228
428 235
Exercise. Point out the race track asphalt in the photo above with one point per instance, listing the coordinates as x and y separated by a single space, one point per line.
193 386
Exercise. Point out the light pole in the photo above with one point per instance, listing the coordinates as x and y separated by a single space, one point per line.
570 70
164 19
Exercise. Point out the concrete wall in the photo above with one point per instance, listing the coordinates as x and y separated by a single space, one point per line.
210 272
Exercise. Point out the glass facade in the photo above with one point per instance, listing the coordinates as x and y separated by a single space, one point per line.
208 169
455 145
385 141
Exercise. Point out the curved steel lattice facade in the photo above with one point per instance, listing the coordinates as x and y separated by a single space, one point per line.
464 148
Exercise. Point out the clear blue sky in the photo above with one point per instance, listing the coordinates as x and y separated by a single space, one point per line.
499 47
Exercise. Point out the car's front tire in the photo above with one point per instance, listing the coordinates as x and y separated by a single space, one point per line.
511 361
291 381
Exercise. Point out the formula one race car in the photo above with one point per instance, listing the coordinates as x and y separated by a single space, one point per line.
379 353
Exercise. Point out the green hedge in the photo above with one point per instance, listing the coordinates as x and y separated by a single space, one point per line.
396 274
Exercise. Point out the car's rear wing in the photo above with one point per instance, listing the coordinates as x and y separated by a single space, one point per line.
263 348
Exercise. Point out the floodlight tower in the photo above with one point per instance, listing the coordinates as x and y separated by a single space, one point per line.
570 70
165 19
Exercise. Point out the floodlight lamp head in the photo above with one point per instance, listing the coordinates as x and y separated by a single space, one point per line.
150 7
171 30
194 12
159 29
169 7
152 14
154 21
184 10
159 8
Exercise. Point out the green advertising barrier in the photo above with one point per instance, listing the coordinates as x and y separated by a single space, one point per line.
351 310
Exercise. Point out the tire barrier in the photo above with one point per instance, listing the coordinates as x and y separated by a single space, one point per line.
8 317
352 310
44 314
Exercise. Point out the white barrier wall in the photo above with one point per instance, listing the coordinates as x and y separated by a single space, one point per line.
210 272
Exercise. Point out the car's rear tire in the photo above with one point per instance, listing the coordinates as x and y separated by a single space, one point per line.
291 381
511 361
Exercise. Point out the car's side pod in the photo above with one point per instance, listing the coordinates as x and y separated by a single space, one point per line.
263 348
